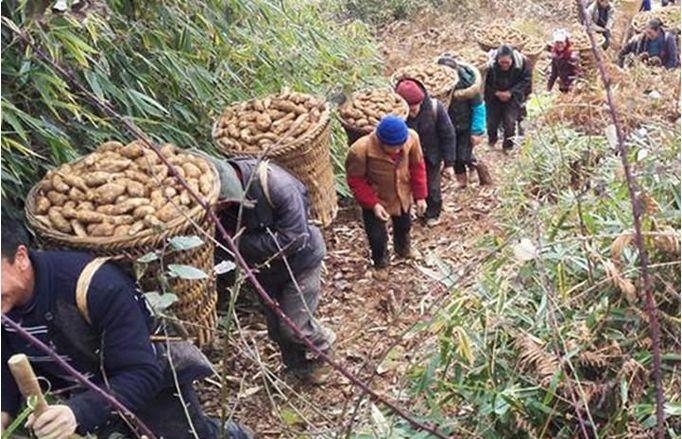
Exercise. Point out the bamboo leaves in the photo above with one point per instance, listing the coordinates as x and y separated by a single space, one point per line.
171 66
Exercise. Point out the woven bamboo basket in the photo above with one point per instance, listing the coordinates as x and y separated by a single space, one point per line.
534 50
196 298
670 16
354 132
629 7
439 88
308 158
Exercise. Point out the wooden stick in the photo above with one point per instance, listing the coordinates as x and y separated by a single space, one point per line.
28 384
26 381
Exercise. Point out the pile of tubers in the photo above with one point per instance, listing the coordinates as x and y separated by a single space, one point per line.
437 79
364 109
494 35
120 191
256 125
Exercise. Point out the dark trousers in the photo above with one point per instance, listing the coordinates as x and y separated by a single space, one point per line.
298 300
378 235
434 200
464 156
505 113
607 38
165 416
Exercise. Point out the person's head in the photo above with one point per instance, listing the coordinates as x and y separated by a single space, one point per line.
17 272
653 29
413 94
603 3
560 40
504 57
392 132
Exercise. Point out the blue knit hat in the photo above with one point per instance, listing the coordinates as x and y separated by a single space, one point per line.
392 130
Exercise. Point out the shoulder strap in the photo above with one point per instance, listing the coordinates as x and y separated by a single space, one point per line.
263 178
434 102
84 283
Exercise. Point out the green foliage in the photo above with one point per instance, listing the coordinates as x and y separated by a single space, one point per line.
562 326
17 423
169 66
377 11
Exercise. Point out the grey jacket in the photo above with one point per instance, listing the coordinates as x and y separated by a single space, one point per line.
274 223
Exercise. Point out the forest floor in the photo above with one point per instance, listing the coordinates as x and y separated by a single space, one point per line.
381 320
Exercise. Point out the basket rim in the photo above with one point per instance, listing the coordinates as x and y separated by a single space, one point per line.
406 108
120 241
325 118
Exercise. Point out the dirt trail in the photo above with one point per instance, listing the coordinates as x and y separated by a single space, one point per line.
369 315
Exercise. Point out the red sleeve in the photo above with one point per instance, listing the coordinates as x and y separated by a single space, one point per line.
363 192
418 180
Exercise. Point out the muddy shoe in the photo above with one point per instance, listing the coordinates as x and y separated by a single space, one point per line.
408 253
484 177
380 274
316 373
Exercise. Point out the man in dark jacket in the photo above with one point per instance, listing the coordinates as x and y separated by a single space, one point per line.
270 221
507 85
113 348
655 46
430 120
467 112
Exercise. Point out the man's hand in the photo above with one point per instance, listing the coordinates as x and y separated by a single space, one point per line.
448 172
421 207
476 139
504 96
57 422
381 213
5 420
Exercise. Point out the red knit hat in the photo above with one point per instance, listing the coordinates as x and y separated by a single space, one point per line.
410 91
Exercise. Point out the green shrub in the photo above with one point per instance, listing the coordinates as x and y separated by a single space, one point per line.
560 324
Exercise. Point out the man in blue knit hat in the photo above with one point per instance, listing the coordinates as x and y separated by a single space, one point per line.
386 172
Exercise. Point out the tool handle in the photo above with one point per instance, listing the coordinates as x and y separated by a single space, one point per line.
26 381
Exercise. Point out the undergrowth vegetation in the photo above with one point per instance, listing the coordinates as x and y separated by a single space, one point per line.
554 340
171 66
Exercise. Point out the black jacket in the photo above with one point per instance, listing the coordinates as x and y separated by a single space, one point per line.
275 228
436 132
117 342
518 80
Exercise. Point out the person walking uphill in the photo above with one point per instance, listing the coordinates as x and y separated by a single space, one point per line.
266 209
507 85
103 331
565 62
386 172
467 112
600 15
430 120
